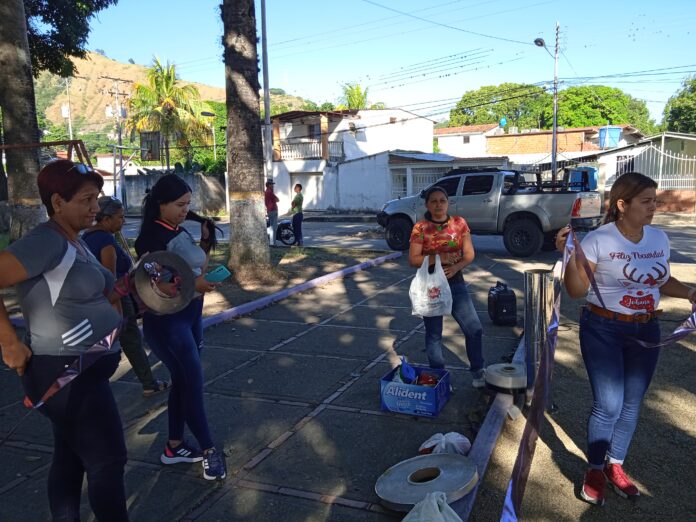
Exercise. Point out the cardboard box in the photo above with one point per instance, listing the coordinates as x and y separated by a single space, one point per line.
412 399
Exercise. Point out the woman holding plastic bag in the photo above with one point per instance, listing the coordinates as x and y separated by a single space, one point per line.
444 243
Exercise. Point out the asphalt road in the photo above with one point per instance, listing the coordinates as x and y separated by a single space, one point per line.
369 236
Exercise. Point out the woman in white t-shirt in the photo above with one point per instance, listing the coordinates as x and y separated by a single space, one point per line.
630 262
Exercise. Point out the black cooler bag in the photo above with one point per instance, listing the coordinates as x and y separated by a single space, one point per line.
502 305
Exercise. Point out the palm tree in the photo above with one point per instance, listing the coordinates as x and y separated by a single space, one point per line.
163 104
19 119
354 97
248 241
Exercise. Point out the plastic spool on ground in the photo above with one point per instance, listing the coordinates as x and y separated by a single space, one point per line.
153 297
408 482
507 377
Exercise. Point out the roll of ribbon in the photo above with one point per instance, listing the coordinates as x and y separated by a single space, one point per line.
164 267
506 377
406 483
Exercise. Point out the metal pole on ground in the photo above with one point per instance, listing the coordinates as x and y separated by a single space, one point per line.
538 307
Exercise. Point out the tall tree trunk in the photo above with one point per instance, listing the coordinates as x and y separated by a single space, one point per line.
19 118
3 176
248 239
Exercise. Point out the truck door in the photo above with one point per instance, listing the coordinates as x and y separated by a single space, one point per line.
478 201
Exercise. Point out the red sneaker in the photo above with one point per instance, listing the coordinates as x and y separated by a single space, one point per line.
620 483
593 487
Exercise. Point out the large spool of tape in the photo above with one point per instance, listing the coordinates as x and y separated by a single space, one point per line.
507 377
408 482
164 265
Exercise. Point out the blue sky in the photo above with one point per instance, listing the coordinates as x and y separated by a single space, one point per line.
422 61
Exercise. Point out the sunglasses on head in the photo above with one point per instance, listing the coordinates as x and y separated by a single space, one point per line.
81 168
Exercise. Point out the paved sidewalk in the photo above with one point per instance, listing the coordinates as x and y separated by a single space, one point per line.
293 396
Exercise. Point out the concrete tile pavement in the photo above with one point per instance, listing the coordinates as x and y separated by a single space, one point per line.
294 403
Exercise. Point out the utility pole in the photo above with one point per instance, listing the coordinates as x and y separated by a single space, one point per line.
116 91
67 92
268 149
554 136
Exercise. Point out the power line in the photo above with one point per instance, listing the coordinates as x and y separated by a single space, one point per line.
446 25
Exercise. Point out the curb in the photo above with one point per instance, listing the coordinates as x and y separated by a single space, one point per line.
251 306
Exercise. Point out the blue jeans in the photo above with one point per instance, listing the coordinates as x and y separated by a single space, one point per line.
177 340
620 372
464 313
297 227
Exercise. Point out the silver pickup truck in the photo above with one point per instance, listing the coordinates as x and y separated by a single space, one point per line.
519 206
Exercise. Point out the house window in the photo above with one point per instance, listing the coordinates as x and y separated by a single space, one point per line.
314 131
398 177
474 185
466 140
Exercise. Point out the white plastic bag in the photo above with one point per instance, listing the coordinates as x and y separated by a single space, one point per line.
433 508
430 293
451 442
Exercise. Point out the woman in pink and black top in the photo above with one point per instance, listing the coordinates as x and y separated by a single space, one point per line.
448 236
630 262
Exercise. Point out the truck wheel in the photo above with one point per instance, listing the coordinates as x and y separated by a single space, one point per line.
523 237
398 233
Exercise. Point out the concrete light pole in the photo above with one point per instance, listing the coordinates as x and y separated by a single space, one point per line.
539 42
268 149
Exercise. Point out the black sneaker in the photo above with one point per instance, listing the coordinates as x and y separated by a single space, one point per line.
214 467
182 453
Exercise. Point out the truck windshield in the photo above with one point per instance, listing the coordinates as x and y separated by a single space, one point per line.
449 184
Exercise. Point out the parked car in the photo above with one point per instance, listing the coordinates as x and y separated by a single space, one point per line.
522 208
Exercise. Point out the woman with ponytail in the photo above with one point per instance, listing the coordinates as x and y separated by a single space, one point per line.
177 339
630 262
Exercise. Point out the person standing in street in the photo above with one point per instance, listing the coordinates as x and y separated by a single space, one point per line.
271 201
102 243
629 260
297 216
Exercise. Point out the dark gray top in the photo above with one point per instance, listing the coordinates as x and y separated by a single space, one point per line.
63 301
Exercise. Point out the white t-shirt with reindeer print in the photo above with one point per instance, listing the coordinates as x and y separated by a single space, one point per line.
629 275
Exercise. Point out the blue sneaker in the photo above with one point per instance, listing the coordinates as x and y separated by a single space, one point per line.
182 453
214 467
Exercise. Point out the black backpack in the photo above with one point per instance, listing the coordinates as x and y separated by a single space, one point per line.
502 305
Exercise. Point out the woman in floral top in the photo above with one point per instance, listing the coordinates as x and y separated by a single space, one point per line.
450 237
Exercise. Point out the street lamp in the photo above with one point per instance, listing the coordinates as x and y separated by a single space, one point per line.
212 127
539 42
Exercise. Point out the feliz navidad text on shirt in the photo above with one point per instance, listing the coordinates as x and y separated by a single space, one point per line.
626 256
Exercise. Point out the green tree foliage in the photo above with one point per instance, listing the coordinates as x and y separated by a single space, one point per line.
327 106
522 105
354 96
57 31
163 104
276 91
596 105
529 106
680 111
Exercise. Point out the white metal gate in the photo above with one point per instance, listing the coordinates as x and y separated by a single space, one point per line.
671 171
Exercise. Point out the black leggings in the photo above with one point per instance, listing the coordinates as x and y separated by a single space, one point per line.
87 437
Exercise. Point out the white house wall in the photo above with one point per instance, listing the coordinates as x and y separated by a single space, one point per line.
374 133
318 180
364 184
455 146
